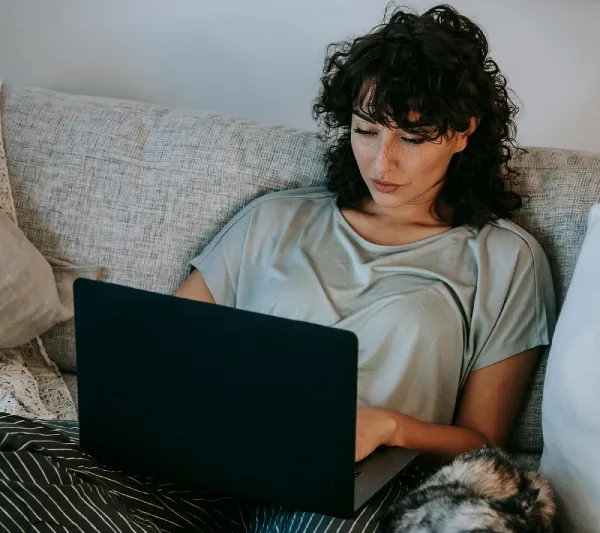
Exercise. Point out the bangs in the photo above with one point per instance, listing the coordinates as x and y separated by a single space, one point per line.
413 102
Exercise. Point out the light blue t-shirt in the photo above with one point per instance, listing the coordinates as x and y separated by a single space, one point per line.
426 314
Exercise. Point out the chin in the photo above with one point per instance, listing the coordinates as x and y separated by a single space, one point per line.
388 200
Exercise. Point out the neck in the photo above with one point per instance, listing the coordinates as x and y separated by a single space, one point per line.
420 212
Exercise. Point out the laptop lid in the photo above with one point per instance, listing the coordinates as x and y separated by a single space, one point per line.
208 395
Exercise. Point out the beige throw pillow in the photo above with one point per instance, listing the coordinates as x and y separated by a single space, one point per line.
33 297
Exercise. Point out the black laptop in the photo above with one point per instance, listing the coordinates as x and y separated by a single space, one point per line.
216 397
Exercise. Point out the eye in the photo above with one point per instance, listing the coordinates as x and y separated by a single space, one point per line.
364 132
413 141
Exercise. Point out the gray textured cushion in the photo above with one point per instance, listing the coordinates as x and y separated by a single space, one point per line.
529 461
562 185
136 188
140 189
71 382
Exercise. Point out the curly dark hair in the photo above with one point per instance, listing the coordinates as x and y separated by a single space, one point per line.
436 65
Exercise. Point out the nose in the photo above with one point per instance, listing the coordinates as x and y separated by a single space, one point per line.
386 157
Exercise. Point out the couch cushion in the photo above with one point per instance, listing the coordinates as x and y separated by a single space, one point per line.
30 303
561 186
140 189
136 188
30 385
528 461
71 382
34 296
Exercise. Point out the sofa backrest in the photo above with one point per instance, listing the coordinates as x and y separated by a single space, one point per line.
139 189
134 188
560 187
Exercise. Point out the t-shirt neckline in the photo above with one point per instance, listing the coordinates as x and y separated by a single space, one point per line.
387 248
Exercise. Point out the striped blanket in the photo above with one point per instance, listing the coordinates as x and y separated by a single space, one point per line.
49 485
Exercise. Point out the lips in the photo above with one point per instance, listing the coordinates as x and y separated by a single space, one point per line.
385 186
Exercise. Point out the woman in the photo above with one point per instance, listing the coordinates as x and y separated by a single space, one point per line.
406 246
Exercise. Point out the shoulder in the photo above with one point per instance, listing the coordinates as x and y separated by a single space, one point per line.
506 240
517 301
515 260
287 202
292 197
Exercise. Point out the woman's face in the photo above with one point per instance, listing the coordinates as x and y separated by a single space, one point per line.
400 168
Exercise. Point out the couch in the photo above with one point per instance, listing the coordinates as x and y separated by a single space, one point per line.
139 189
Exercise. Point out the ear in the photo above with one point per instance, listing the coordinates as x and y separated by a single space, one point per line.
519 504
462 138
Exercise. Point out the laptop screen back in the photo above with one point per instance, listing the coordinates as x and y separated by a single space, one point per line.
211 396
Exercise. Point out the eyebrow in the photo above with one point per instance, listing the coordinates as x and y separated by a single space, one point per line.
364 116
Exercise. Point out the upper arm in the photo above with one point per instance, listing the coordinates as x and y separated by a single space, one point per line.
513 317
514 308
195 288
493 395
217 269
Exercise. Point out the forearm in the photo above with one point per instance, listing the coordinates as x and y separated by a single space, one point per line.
437 439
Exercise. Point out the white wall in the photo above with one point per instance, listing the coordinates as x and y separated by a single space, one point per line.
262 58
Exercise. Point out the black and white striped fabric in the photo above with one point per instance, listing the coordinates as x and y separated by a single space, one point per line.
49 485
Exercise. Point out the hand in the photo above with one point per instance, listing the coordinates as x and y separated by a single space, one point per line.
374 427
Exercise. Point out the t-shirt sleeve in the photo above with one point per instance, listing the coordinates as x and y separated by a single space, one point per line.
220 262
515 309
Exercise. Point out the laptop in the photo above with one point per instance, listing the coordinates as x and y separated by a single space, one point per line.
221 398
